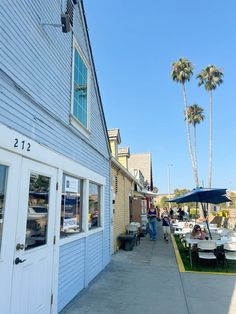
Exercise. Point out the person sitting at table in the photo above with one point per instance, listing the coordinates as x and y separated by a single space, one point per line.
197 233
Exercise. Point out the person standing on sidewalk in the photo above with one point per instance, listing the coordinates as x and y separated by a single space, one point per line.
166 224
152 222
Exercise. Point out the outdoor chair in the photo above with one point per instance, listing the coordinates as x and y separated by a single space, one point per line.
188 235
229 253
135 230
215 236
232 233
207 251
185 237
223 232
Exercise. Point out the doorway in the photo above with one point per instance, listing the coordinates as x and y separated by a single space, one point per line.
27 219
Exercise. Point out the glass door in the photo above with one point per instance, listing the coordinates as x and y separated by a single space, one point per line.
33 260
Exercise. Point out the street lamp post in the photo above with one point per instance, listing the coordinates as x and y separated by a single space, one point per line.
168 178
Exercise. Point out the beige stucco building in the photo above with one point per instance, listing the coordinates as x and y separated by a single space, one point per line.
143 162
124 186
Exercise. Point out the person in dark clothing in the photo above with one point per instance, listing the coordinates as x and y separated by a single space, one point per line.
181 214
166 224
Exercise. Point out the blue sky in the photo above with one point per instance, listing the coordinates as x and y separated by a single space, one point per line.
134 45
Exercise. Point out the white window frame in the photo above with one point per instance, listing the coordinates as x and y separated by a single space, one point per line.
82 208
100 205
73 120
85 210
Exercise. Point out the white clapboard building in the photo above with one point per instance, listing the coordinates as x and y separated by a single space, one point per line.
55 224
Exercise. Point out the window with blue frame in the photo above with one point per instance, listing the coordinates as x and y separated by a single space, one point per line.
80 89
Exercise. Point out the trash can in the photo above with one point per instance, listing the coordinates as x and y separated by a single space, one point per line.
127 241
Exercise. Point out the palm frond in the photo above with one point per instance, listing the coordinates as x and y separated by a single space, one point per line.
195 114
182 70
210 77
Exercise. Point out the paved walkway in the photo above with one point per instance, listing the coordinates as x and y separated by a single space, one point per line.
147 281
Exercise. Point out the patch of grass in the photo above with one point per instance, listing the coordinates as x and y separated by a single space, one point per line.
202 267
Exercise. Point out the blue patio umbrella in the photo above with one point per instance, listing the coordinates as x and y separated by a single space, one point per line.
218 199
203 196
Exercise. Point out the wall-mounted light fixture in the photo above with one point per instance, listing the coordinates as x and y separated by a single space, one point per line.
65 23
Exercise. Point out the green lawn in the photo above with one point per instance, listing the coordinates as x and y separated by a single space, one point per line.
206 267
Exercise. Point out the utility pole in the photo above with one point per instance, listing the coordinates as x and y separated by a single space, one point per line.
168 179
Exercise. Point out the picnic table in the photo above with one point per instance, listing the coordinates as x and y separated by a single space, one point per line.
222 241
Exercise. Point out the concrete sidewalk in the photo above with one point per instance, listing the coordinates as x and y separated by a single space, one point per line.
147 280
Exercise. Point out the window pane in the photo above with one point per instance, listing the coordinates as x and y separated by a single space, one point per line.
37 217
94 216
71 206
80 89
3 183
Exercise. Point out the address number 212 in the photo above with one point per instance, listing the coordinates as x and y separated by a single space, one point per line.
23 145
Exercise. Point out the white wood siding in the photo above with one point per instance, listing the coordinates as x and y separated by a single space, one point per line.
35 98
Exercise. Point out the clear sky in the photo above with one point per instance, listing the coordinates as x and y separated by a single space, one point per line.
134 44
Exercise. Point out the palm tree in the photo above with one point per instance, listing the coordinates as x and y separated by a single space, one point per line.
210 77
182 70
195 116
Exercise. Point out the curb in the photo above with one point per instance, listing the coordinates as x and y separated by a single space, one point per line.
177 256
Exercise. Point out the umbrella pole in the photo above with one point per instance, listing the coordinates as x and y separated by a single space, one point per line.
196 214
205 215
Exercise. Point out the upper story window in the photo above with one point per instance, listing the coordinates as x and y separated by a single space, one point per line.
80 88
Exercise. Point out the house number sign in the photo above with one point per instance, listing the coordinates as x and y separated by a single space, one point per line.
23 145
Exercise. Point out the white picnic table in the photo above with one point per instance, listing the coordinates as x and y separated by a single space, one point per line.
222 241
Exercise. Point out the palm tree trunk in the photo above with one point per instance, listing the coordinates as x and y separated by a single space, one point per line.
195 174
195 160
210 145
195 147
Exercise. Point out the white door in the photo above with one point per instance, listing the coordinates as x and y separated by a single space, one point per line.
33 256
9 188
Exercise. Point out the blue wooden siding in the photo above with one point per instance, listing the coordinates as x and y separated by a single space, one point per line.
81 261
75 271
35 98
39 60
71 270
94 261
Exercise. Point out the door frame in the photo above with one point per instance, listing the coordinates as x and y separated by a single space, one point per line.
32 256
